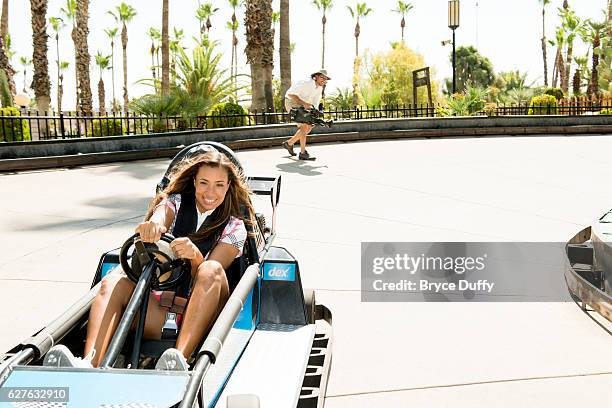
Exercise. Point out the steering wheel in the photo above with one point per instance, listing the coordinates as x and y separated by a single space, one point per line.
169 271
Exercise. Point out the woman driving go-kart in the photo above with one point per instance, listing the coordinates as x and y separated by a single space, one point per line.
204 207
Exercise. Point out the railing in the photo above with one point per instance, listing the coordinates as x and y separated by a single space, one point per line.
66 125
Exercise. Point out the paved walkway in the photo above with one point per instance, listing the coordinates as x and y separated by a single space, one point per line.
56 223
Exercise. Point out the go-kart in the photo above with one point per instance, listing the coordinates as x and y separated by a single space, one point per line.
270 345
311 116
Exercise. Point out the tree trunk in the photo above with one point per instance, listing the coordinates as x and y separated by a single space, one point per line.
75 41
165 79
567 68
5 64
255 34
40 81
594 83
403 24
323 23
5 20
285 48
357 32
57 64
101 96
267 37
559 65
83 58
4 31
124 41
60 91
356 90
113 74
544 47
576 82
258 101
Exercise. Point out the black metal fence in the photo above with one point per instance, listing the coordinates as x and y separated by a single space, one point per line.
32 126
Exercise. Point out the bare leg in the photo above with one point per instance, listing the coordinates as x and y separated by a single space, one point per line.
210 292
297 136
305 131
107 310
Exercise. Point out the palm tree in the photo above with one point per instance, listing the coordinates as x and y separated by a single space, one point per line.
63 66
233 25
165 79
254 51
103 62
544 4
403 7
597 28
581 66
323 6
57 24
83 58
40 81
25 63
69 13
203 13
5 63
4 33
573 27
123 14
4 20
154 35
112 33
175 47
285 47
558 65
361 10
267 37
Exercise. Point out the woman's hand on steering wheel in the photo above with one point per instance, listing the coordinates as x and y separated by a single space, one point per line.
185 248
150 231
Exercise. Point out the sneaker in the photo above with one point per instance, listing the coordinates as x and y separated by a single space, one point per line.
172 360
289 148
306 156
61 356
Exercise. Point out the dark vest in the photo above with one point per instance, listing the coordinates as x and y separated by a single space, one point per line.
185 225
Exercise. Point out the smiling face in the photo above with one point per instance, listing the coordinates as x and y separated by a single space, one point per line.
211 185
320 80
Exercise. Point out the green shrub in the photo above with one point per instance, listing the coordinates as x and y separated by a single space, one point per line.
226 111
605 112
490 109
543 105
13 130
556 92
106 127
469 103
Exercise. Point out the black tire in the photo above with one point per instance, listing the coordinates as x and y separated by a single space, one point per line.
309 304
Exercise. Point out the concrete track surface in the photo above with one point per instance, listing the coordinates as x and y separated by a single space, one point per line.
55 225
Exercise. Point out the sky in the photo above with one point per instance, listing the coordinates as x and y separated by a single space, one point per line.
506 32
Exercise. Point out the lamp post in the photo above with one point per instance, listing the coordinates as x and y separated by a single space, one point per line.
22 100
453 23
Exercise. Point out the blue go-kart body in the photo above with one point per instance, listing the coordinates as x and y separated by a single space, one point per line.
270 346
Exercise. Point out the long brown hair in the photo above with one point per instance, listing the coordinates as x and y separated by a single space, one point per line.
236 199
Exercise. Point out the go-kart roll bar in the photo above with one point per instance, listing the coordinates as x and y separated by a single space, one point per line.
214 341
141 290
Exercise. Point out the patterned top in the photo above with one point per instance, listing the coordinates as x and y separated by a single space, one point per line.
234 233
